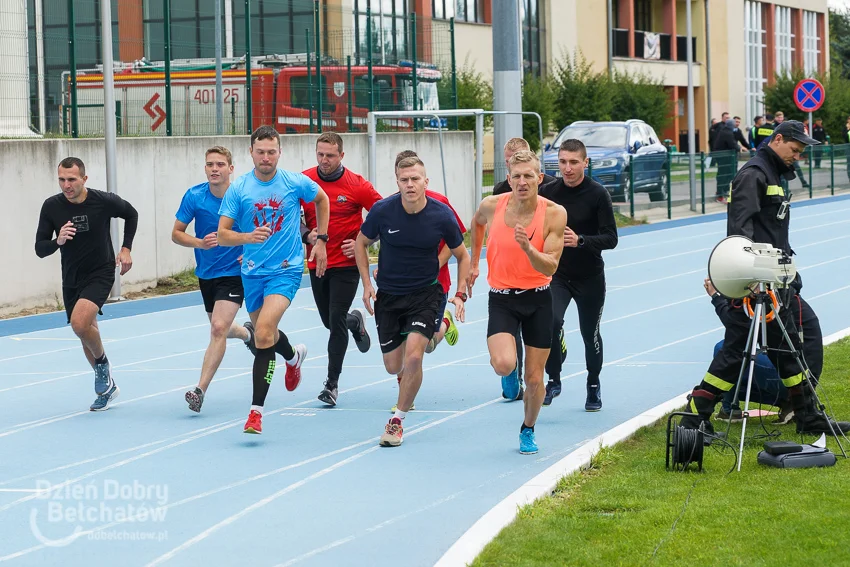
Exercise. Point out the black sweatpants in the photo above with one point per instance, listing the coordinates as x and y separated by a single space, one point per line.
334 292
589 295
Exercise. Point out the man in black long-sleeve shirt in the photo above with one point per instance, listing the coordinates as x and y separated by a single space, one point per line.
591 228
80 219
513 146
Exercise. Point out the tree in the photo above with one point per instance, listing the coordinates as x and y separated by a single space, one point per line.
579 92
473 91
839 42
639 96
537 96
835 109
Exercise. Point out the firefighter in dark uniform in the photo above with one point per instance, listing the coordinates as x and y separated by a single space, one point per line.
759 210
763 131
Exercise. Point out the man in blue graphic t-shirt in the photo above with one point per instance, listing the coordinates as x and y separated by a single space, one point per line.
217 267
409 302
265 203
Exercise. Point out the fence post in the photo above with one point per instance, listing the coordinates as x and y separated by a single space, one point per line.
318 65
72 63
232 116
249 99
349 88
832 170
454 70
702 179
631 186
118 128
811 150
415 70
669 189
369 58
309 78
166 35
590 168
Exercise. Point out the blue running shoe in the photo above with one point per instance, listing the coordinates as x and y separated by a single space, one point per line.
594 398
102 378
103 400
527 444
511 386
553 390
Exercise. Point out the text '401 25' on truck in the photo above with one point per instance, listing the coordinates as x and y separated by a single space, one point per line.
283 93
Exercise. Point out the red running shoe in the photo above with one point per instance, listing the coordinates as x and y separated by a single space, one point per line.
392 433
293 367
254 423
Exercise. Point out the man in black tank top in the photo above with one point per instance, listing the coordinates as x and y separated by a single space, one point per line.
80 219
591 228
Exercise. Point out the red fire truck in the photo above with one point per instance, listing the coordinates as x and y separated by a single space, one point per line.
281 90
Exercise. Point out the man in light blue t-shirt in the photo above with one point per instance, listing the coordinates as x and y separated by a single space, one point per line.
266 201
217 267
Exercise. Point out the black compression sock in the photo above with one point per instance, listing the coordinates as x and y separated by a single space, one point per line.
524 427
282 347
264 365
101 360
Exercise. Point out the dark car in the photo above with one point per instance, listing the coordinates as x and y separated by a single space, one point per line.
609 145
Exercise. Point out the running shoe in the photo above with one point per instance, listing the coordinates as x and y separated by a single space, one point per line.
195 399
101 403
329 394
254 423
102 378
293 367
361 335
392 433
553 390
451 331
511 386
594 398
527 444
251 344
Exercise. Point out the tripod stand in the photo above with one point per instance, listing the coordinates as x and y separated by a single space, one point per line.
757 338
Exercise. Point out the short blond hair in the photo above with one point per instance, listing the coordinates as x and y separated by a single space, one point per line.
220 150
409 162
524 156
410 153
516 145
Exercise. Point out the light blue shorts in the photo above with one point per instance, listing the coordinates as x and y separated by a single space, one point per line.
285 283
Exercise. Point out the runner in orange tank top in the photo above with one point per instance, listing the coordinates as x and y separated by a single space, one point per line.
524 245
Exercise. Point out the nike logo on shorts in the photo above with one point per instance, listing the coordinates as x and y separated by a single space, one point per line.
519 291
393 231
386 343
232 295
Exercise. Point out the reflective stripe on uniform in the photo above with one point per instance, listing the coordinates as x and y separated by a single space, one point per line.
775 190
792 381
765 132
718 383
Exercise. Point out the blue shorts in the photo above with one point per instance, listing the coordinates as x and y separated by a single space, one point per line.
285 283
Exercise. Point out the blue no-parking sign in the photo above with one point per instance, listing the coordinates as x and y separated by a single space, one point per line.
809 95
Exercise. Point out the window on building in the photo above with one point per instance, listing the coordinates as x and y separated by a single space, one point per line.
643 15
461 10
755 47
389 41
531 31
784 39
811 43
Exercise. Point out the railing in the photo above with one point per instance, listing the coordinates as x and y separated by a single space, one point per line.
621 45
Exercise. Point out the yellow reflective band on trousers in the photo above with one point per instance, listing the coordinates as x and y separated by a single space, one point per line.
775 190
792 381
718 383
693 406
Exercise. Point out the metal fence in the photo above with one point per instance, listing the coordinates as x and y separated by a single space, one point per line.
311 66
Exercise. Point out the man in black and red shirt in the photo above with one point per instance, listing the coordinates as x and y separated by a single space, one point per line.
76 222
334 292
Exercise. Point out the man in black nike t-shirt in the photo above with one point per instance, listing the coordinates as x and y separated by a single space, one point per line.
76 222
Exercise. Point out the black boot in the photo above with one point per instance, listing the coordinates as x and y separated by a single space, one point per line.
701 406
810 419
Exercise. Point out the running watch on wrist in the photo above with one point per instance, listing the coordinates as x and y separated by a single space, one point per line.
322 237
580 241
462 296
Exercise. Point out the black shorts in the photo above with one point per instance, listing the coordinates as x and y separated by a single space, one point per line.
225 288
530 309
95 288
398 315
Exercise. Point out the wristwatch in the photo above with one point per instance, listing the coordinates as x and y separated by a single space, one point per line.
580 241
462 296
716 294
322 237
